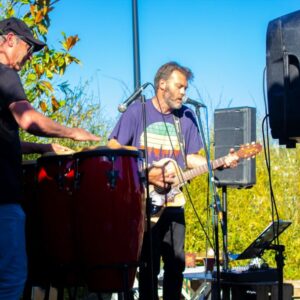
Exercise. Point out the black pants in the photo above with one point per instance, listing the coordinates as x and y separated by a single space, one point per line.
167 242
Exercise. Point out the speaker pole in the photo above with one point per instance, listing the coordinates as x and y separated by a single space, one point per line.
217 207
224 229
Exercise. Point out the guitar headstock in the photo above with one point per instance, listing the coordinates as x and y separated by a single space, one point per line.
249 150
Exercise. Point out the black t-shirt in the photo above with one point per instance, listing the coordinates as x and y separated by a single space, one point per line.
11 90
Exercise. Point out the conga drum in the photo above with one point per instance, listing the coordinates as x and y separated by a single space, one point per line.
36 259
110 211
55 176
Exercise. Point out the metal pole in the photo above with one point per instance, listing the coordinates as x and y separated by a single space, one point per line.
137 84
216 291
225 236
136 49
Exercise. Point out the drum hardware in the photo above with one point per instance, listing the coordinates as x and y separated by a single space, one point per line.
77 175
60 177
112 174
65 171
112 178
141 168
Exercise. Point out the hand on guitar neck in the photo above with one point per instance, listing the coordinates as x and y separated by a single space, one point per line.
172 196
231 160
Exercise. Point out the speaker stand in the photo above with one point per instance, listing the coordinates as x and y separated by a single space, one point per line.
279 257
224 228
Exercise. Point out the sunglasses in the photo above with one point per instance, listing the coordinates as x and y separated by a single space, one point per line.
31 46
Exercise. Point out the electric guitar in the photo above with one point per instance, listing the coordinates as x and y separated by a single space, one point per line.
173 196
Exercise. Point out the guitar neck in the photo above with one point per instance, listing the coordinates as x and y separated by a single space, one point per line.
190 174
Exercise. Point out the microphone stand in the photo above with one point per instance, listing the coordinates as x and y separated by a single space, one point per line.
148 199
216 205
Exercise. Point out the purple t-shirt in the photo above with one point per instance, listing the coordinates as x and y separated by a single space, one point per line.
162 139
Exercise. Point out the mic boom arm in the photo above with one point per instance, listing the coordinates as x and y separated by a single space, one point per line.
123 106
193 102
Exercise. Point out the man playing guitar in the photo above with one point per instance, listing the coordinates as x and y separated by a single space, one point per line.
165 139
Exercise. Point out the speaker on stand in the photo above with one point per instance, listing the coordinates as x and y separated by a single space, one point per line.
283 78
233 127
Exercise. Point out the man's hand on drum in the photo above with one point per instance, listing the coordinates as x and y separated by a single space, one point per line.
79 134
28 148
59 149
161 175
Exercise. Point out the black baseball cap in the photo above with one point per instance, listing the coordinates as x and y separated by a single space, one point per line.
20 28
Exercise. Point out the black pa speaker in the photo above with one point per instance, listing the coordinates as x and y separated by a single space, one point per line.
283 78
232 128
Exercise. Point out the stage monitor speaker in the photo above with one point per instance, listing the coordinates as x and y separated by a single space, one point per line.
232 128
283 78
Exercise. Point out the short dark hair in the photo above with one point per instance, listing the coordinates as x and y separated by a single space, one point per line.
167 69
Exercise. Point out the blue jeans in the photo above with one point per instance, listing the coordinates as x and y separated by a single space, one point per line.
13 260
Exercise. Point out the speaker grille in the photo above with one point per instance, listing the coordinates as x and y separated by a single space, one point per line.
232 128
283 78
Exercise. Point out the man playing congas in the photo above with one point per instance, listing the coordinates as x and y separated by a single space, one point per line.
17 45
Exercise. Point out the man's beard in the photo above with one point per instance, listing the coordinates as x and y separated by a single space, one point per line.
172 104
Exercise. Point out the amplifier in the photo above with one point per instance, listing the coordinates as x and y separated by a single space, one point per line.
251 275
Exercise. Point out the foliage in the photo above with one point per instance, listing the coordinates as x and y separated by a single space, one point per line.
67 106
249 210
76 109
39 72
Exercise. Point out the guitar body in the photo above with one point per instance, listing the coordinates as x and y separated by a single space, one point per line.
173 197
176 201
160 198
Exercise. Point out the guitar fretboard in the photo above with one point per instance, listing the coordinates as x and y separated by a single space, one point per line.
190 174
245 151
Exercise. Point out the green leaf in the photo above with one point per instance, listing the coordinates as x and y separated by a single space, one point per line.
49 74
42 29
32 77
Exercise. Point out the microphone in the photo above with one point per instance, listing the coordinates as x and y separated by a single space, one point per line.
187 100
123 106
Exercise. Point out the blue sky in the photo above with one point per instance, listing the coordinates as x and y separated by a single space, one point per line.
222 41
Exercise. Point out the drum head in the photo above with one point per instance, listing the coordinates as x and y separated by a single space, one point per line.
104 151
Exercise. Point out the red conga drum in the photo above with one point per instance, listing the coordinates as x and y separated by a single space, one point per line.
55 174
110 211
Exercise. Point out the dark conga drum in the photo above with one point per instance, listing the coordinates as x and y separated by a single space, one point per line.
29 181
55 175
36 259
110 211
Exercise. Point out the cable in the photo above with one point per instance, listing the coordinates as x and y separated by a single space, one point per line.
266 144
180 175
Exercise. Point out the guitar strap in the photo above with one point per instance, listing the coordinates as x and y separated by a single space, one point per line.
180 137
